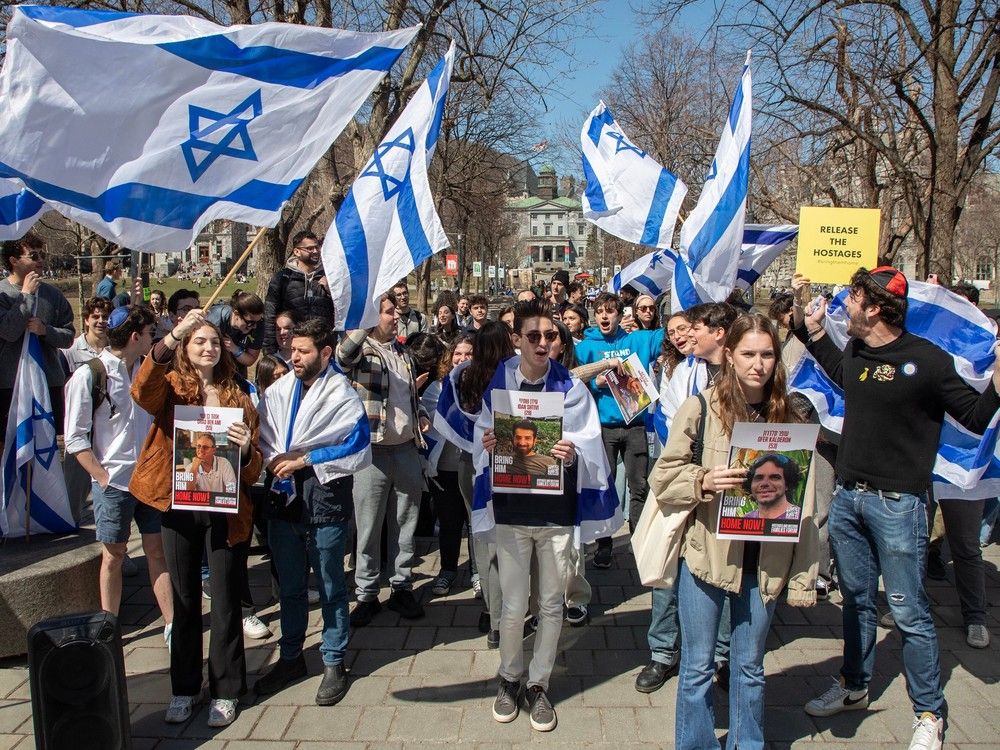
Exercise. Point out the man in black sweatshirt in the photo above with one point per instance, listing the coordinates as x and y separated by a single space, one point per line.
897 389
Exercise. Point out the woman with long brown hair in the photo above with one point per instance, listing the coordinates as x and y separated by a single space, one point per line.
751 388
203 374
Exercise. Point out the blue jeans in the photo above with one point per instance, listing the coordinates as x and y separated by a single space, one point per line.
700 608
873 534
664 632
323 545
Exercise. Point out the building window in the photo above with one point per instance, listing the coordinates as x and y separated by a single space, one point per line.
559 231
548 230
581 229
534 231
984 269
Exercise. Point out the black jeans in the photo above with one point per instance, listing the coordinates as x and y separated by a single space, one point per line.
187 535
451 515
962 522
629 443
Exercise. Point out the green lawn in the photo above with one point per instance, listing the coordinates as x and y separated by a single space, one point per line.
170 285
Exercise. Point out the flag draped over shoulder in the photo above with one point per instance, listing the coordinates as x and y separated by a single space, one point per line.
453 423
712 236
628 194
598 513
144 128
19 209
966 464
388 224
31 456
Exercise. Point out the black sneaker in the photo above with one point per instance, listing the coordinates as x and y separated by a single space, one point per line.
484 622
281 675
402 601
530 625
543 716
654 675
577 616
602 557
493 639
722 676
505 708
364 612
333 686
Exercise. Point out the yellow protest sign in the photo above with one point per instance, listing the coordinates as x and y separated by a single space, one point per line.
833 243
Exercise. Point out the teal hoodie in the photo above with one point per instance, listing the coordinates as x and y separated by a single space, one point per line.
596 346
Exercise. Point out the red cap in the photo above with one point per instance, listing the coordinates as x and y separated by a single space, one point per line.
890 279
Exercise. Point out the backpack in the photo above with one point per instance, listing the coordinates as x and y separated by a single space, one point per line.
98 391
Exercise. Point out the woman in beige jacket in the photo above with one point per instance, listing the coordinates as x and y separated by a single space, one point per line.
752 575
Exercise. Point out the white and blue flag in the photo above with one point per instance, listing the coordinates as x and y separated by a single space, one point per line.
388 224
31 457
968 462
712 235
627 194
19 210
762 244
144 128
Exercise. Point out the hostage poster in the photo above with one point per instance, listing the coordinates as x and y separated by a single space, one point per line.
632 388
768 506
527 424
206 464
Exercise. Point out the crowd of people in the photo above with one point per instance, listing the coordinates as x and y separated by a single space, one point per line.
343 434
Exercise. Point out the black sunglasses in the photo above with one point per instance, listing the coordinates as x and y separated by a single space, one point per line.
535 336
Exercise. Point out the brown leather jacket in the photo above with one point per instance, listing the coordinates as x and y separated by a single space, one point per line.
154 389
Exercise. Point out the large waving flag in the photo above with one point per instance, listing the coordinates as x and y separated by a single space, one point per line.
967 465
19 210
387 224
712 236
762 244
31 456
144 128
628 194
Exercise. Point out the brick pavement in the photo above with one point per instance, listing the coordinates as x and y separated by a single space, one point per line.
430 682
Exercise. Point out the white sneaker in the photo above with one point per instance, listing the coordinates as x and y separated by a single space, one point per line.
221 712
254 627
180 709
477 589
977 636
837 699
928 732
168 630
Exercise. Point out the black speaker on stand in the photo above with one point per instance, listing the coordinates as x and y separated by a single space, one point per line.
77 675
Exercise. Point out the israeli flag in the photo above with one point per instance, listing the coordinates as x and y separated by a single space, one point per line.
762 244
31 456
628 194
388 224
145 128
712 236
967 465
19 210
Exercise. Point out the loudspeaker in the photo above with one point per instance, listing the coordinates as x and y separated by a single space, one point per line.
77 674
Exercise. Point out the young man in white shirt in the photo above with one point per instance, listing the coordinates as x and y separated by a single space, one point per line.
94 338
106 438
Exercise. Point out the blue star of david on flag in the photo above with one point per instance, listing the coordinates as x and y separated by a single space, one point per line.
236 120
656 259
622 144
39 413
391 184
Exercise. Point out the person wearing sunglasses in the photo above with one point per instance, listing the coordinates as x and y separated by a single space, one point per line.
27 305
301 287
645 313
242 325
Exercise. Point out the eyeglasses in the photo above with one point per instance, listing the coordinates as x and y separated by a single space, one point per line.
35 256
307 248
535 336
645 308
253 321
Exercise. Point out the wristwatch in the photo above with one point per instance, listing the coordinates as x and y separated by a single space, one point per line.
307 459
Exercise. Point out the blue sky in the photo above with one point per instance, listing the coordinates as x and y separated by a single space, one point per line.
596 57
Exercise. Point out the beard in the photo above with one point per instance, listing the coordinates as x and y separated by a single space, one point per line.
311 371
857 324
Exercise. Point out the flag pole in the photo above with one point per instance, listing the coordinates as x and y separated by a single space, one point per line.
27 500
232 270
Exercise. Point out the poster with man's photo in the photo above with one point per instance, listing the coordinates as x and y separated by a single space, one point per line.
768 506
527 425
206 463
633 388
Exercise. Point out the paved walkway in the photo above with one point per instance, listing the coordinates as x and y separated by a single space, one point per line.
431 682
